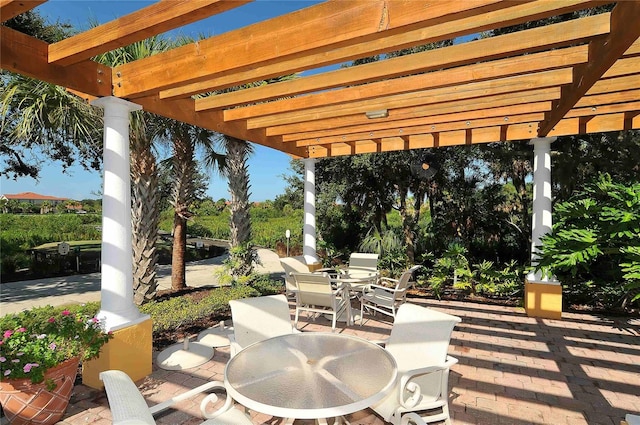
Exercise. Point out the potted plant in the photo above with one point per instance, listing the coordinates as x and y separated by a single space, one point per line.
40 351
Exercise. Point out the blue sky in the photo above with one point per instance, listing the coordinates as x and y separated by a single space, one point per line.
266 166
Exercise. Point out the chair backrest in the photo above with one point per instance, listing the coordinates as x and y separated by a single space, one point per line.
362 264
125 401
260 318
420 337
363 260
293 265
314 289
405 278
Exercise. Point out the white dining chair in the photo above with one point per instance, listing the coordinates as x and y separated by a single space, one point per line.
386 299
419 341
128 406
292 265
363 265
259 318
317 295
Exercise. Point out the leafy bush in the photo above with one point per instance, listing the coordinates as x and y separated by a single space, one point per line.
178 311
593 247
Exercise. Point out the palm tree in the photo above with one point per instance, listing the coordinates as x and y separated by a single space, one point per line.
185 138
241 255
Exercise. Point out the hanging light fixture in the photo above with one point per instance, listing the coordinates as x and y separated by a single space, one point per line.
381 113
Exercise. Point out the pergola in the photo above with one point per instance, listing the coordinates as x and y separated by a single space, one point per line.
574 77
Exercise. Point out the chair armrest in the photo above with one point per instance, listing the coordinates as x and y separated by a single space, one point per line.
388 279
373 286
213 398
412 389
188 394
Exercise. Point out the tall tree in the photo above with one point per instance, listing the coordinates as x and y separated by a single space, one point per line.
184 191
241 254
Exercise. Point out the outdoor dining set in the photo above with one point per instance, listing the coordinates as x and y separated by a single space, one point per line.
276 369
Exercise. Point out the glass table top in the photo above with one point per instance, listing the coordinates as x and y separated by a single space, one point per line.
310 375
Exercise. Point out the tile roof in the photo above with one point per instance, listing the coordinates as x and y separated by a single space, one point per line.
33 196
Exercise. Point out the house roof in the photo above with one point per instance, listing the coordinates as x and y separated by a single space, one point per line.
33 197
573 77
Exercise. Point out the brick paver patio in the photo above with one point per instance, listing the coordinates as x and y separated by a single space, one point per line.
583 369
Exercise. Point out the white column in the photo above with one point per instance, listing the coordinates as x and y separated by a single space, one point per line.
541 221
309 228
117 307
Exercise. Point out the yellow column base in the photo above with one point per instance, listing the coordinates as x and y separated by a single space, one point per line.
542 299
314 266
130 350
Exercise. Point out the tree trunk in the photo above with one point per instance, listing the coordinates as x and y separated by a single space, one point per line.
144 223
178 263
240 223
184 171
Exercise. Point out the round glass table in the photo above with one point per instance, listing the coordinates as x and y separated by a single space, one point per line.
310 375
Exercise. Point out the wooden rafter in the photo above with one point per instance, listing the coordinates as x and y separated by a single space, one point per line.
603 53
28 56
514 14
447 57
12 8
320 28
157 18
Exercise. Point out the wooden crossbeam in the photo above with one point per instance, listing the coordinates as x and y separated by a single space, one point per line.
12 8
28 56
517 84
462 54
457 106
319 28
144 23
510 13
182 110
603 53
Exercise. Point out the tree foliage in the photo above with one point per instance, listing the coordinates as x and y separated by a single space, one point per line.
595 240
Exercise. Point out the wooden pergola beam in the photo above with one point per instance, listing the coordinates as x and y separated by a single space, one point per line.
144 23
182 110
12 8
343 124
28 56
517 84
603 53
434 121
430 60
514 14
319 28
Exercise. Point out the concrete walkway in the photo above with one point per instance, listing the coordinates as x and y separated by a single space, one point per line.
78 289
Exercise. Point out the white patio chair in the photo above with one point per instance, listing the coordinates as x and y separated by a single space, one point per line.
257 319
315 294
419 341
363 265
385 299
128 407
292 265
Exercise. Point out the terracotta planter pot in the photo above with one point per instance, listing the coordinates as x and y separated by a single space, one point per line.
26 403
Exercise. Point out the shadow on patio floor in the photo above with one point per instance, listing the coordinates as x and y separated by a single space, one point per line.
583 369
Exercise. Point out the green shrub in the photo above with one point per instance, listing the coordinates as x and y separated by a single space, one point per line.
179 311
591 248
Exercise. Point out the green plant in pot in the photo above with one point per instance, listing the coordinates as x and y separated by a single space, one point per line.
39 355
